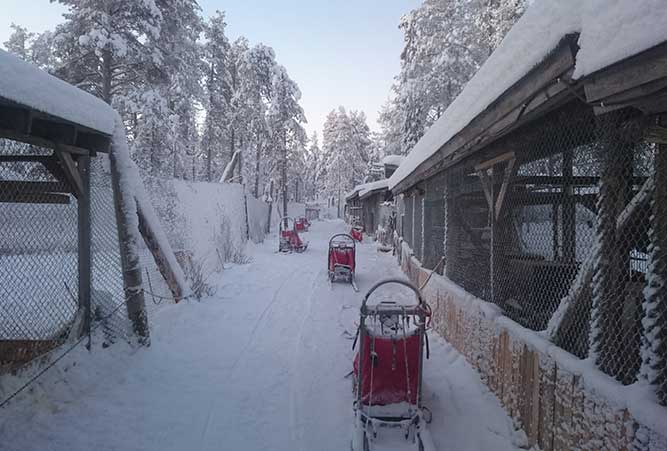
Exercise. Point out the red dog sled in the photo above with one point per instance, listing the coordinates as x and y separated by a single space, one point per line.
342 259
289 240
388 370
357 233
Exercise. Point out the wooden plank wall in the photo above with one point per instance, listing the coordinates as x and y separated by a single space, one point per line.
548 402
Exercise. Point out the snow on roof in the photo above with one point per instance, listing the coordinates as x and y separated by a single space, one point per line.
366 188
25 84
393 160
610 31
372 186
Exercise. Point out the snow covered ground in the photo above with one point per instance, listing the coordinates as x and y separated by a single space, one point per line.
259 366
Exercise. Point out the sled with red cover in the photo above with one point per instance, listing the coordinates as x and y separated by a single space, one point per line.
357 233
301 224
341 259
288 238
388 372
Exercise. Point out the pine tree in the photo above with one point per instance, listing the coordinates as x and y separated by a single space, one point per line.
20 42
218 87
285 117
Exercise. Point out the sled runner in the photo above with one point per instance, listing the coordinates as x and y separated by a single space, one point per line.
289 240
388 373
342 259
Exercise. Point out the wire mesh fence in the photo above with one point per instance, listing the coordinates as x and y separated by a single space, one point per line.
40 308
552 224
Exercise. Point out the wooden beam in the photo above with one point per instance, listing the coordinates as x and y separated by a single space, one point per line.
40 142
510 171
656 134
644 68
29 187
71 172
33 198
557 180
486 186
508 156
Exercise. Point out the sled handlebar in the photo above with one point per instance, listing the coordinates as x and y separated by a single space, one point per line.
420 301
342 235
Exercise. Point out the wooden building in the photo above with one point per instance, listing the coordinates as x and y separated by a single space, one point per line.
544 204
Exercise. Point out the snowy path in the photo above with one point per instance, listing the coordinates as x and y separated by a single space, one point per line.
260 366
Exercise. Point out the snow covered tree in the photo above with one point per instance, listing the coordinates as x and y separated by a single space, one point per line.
19 42
106 42
254 96
166 103
218 86
313 169
446 41
346 145
285 117
494 18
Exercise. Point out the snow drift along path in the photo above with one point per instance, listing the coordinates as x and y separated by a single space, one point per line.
260 366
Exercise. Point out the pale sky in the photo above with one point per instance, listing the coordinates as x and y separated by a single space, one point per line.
340 52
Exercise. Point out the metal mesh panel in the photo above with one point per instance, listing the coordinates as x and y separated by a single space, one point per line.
434 222
468 232
107 279
417 223
407 220
554 228
39 264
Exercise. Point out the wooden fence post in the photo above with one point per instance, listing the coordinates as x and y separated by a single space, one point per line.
84 243
129 257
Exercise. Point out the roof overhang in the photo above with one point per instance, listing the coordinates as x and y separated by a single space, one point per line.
639 81
25 124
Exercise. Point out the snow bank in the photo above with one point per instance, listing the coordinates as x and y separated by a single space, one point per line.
208 220
25 84
610 31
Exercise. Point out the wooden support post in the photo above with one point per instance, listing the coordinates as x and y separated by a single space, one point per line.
70 170
569 211
492 245
654 340
150 236
611 270
84 243
129 258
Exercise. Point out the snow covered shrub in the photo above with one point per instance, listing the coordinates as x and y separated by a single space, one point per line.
196 275
229 249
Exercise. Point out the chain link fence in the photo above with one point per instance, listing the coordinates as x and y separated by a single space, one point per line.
39 269
552 224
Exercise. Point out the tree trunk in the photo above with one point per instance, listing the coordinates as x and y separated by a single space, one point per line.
258 156
284 176
107 61
240 162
